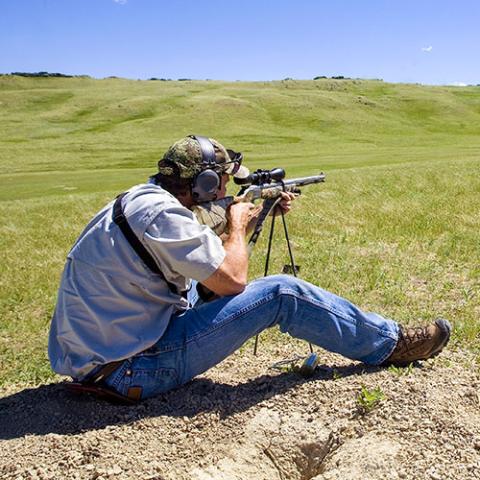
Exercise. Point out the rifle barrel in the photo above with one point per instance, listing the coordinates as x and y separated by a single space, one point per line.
304 180
270 190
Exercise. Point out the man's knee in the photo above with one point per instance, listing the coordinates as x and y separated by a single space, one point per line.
277 285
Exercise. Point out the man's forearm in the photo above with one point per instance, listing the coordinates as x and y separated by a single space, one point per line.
235 246
231 276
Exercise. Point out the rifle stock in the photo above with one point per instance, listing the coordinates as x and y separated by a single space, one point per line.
214 215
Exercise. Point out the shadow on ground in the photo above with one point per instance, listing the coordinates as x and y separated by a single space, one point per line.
51 409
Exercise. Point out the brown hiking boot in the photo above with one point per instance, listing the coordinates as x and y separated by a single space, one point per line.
419 343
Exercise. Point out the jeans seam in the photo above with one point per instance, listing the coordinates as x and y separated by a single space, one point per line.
154 372
331 309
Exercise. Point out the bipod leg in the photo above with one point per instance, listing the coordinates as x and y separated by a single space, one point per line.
269 248
290 252
265 272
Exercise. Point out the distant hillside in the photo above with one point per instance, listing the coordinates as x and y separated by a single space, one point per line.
125 123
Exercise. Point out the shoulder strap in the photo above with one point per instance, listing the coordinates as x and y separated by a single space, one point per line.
120 219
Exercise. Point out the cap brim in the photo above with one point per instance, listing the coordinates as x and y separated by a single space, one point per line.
243 172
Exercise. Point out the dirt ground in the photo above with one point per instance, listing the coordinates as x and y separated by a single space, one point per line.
243 420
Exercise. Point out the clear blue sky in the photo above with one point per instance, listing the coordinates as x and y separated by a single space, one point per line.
426 41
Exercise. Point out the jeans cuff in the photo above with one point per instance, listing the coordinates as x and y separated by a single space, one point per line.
389 351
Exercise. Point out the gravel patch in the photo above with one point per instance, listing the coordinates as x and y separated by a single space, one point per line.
242 420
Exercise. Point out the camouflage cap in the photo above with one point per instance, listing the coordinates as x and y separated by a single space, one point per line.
184 159
186 156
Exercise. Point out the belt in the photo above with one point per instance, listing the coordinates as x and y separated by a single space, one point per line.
104 372
94 384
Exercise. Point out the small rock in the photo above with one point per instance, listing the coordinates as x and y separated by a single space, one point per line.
99 472
359 431
116 470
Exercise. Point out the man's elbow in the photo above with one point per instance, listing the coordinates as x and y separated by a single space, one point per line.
225 285
237 286
231 287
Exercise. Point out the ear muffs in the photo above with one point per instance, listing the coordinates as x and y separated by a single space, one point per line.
206 184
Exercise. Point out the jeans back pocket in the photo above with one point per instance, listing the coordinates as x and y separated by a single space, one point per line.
152 380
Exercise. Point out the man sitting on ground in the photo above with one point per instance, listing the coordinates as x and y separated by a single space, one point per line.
123 319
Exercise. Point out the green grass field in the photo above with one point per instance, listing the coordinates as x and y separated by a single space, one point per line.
395 228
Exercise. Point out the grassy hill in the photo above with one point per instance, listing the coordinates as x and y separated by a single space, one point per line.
395 228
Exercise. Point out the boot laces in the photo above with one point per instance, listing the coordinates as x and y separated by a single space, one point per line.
412 335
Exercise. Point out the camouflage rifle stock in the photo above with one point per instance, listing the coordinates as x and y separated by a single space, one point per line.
272 194
273 190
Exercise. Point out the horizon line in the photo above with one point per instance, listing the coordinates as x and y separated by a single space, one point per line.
46 74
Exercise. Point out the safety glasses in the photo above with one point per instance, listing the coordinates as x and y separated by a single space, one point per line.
231 167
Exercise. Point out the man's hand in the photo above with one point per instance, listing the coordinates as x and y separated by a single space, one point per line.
285 204
240 214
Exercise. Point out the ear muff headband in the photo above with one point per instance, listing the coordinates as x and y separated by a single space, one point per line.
205 185
208 151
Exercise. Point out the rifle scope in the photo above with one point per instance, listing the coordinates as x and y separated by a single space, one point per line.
261 177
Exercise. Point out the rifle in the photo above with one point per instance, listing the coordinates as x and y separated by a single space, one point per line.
261 186
264 185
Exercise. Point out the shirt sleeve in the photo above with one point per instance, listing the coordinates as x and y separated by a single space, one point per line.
182 246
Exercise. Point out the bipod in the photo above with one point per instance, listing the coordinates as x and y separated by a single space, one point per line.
311 361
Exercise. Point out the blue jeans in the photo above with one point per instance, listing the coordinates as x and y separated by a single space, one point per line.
205 334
